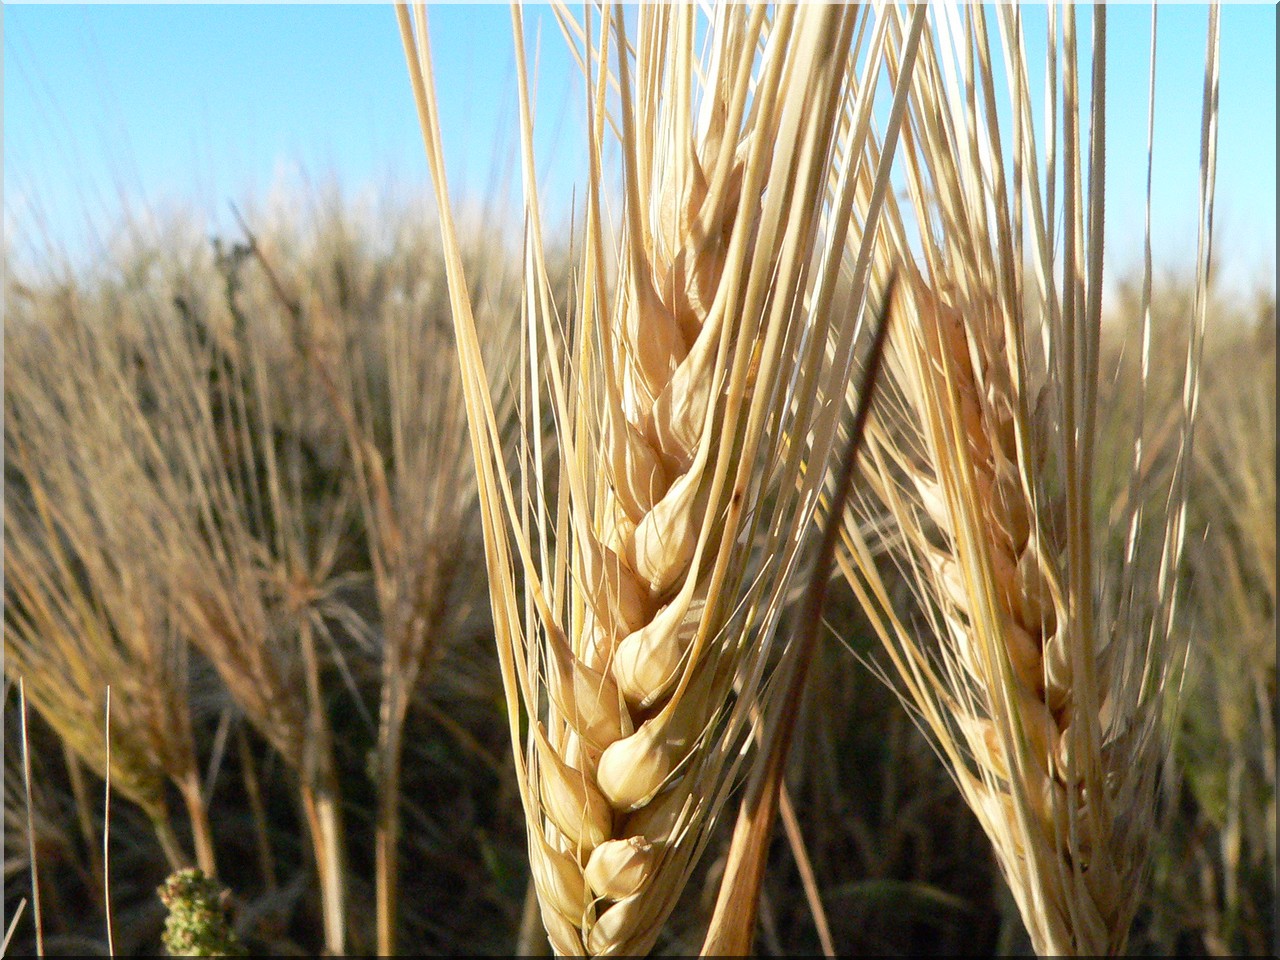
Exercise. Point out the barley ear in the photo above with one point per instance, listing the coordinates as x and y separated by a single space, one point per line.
1041 674
687 457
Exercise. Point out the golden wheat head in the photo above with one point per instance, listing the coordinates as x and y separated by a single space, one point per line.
694 378
1041 669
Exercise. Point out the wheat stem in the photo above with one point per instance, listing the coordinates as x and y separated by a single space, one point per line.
31 832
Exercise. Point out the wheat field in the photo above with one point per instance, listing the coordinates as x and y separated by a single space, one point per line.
433 594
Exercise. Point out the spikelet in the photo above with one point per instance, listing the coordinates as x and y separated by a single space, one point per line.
619 868
652 584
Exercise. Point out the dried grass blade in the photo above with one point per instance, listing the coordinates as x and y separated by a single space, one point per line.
31 833
732 928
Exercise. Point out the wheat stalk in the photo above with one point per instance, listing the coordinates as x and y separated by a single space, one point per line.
269 513
686 400
41 828
1043 686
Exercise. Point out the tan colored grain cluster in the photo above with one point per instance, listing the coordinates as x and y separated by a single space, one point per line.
648 670
1041 672
84 611
688 394
990 544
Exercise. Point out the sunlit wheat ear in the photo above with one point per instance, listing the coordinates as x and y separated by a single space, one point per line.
694 380
1042 681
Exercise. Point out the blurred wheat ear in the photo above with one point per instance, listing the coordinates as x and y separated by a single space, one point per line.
693 390
1228 740
176 496
394 390
1042 672
83 608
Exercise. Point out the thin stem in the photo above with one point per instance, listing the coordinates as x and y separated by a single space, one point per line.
13 925
791 824
249 776
174 855
106 833
387 831
320 797
201 829
31 834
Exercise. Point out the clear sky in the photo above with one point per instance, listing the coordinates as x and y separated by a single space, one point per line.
202 105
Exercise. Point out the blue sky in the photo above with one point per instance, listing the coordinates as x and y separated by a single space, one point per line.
203 105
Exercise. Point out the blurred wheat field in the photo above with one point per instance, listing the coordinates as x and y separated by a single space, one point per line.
238 493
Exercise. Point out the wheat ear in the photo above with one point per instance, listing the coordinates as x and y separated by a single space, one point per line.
83 612
393 387
654 574
1046 688
197 445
